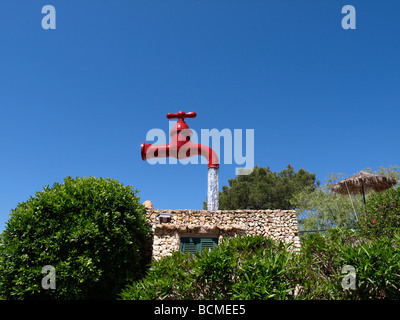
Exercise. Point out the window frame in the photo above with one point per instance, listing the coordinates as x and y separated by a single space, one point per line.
200 243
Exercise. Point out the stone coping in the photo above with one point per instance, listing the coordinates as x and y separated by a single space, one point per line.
199 228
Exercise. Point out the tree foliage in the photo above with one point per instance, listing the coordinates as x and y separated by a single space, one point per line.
265 189
92 231
322 209
382 214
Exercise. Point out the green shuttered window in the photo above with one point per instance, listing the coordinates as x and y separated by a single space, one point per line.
192 244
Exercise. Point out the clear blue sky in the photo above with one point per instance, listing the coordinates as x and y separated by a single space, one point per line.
79 100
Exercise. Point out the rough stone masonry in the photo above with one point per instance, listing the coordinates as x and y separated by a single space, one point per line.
276 224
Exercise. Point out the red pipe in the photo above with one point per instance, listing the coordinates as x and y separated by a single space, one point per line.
180 147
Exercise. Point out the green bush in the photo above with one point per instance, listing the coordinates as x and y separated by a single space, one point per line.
376 263
248 268
238 268
382 214
93 231
168 278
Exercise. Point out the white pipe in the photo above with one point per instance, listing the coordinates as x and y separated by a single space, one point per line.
212 192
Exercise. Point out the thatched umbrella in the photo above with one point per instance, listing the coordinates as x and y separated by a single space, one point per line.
358 183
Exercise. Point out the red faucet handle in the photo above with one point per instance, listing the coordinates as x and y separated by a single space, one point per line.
181 115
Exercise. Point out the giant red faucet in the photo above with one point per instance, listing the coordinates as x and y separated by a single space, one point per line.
180 147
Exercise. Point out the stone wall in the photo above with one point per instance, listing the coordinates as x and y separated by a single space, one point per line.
275 224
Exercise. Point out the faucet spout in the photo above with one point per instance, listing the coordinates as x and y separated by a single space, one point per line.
149 151
180 151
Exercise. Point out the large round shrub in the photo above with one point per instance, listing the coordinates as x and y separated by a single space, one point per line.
93 231
382 214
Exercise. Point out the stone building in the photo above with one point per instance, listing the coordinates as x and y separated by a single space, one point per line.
191 230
